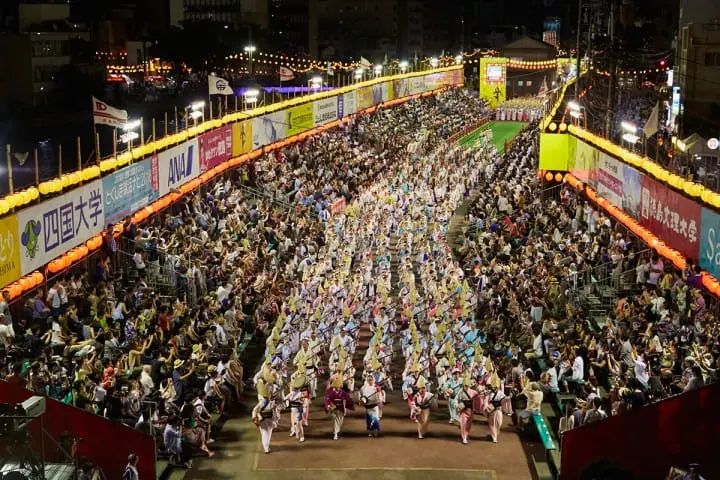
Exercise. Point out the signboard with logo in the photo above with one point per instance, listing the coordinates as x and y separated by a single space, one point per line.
401 88
709 258
178 165
299 119
241 137
269 128
130 189
53 227
346 104
364 97
416 85
215 147
325 110
9 250
671 216
610 179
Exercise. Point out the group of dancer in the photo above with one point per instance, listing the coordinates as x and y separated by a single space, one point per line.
385 272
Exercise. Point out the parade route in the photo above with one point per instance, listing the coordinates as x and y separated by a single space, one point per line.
501 132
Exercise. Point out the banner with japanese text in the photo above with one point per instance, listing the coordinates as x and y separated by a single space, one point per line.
364 97
299 119
674 218
416 85
215 147
401 88
269 128
53 227
493 78
9 250
241 137
129 189
178 165
346 104
325 110
632 191
610 179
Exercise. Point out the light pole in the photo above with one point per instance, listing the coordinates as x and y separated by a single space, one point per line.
434 62
377 70
130 133
403 66
250 49
315 83
359 74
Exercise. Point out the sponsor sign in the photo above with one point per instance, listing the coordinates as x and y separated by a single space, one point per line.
242 141
55 226
710 242
346 104
325 110
130 189
9 250
299 119
364 97
632 187
671 216
610 179
401 88
215 147
416 85
178 165
269 128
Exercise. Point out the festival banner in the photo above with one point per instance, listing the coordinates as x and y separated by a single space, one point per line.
325 110
586 161
401 88
9 250
215 147
710 242
346 104
492 80
269 128
299 119
129 189
53 227
610 179
416 85
632 188
364 98
241 137
178 165
436 80
671 216
387 91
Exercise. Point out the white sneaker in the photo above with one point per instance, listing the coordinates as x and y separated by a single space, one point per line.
292 433
302 439
335 437
465 442
267 451
420 435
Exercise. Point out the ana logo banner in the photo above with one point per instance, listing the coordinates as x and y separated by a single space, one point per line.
178 165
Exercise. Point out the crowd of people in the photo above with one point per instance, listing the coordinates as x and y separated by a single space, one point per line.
341 240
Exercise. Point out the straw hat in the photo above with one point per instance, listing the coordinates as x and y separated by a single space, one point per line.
421 382
262 389
178 363
337 382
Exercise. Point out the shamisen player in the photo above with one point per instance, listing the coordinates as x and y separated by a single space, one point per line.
372 398
422 401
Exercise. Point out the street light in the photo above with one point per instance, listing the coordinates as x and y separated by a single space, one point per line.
434 62
129 126
195 111
359 74
458 59
316 82
377 70
628 127
403 66
250 49
573 106
130 134
251 95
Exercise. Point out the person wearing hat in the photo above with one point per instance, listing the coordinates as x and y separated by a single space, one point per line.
466 399
264 415
494 405
372 398
337 403
422 401
451 389
180 379
298 403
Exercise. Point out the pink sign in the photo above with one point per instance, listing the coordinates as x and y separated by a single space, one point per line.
215 147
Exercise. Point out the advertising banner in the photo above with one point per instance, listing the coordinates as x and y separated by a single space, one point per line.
269 128
387 91
130 189
436 80
492 80
299 119
215 147
710 242
632 187
178 165
401 88
9 250
241 137
55 226
586 161
416 85
325 110
346 104
610 179
671 216
364 97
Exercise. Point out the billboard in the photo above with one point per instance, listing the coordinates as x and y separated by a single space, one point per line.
364 98
492 80
299 119
401 87
178 165
241 137
269 128
9 250
325 110
346 104
710 242
610 179
53 227
130 189
416 85
215 147
671 216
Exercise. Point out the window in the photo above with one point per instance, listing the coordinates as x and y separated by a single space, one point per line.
520 83
528 83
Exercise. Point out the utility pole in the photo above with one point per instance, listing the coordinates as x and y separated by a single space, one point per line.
609 111
577 49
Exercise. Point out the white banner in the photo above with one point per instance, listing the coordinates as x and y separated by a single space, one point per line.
53 227
325 110
104 114
269 128
610 179
218 86
178 165
348 103
417 85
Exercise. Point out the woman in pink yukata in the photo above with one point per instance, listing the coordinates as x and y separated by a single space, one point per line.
469 401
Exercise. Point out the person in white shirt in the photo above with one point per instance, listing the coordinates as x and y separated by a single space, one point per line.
641 371
146 381
53 298
223 292
7 334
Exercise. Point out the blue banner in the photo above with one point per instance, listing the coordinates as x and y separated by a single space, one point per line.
130 189
710 242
